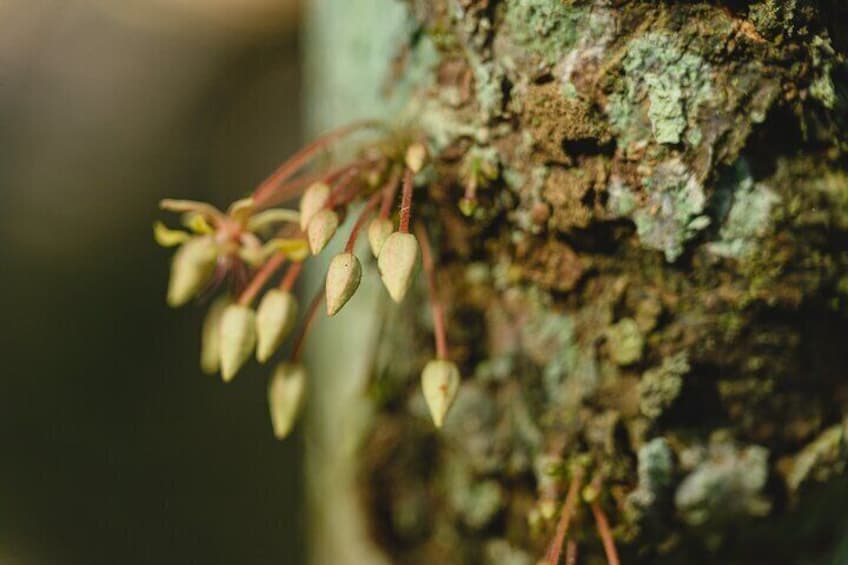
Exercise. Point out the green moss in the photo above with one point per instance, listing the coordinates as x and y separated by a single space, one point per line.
661 385
823 458
675 83
625 342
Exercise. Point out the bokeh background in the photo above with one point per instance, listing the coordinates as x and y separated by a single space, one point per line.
115 448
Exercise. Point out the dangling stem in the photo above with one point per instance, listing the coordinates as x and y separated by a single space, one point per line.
435 303
299 159
604 532
260 278
360 221
566 514
287 284
406 202
389 193
297 350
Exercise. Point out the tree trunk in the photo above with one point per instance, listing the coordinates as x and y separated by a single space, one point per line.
641 215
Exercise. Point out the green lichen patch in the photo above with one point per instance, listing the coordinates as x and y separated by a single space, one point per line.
664 87
749 215
673 209
726 483
546 28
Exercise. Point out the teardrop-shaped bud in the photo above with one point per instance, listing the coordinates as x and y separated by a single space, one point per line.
396 263
343 278
238 338
440 383
191 269
416 157
321 229
313 199
275 318
210 339
379 231
285 396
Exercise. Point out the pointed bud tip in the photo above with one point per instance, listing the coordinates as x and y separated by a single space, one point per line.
397 262
286 391
320 230
275 318
191 269
440 383
416 157
343 277
238 338
313 199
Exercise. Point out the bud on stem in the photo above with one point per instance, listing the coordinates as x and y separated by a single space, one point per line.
343 278
285 396
191 269
238 338
321 229
275 318
396 263
440 383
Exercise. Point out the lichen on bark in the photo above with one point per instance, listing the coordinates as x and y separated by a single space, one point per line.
654 284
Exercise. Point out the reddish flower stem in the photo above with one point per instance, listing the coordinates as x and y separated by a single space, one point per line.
604 532
297 350
260 278
435 303
389 193
293 272
340 188
360 221
568 509
299 159
406 202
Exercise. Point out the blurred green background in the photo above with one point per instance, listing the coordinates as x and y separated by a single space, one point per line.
116 449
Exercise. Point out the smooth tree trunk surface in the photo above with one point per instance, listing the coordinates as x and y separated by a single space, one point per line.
649 285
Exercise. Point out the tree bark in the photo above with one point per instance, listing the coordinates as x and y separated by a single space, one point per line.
649 285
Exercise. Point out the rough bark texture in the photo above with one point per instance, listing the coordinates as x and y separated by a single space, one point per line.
652 286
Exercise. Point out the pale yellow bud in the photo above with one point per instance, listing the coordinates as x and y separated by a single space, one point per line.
379 231
210 341
416 157
343 278
285 396
275 318
238 337
191 269
321 229
440 383
396 263
313 199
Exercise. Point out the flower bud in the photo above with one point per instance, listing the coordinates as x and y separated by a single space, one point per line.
416 157
275 318
238 337
379 231
313 199
321 229
210 340
440 383
396 262
191 269
285 396
343 278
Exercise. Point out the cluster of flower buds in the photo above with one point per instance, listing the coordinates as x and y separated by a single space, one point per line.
255 242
